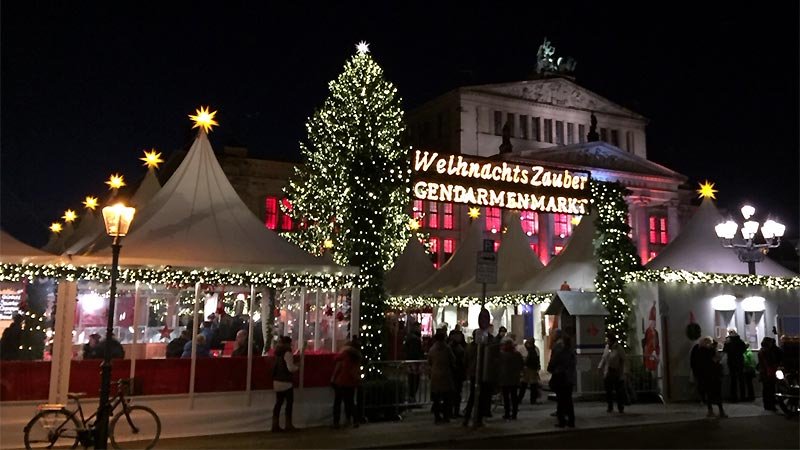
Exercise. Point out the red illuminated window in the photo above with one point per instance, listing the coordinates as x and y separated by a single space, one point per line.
286 220
493 220
448 247
271 219
658 230
530 222
447 220
562 225
418 210
434 248
558 249
433 215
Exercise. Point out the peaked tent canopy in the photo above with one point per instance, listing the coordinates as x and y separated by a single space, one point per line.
697 248
576 264
458 269
516 262
13 251
198 220
411 268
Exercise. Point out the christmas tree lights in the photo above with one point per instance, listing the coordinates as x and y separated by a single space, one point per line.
353 188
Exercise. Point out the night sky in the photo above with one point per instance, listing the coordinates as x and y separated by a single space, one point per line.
85 88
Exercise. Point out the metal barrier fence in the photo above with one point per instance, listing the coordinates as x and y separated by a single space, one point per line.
641 384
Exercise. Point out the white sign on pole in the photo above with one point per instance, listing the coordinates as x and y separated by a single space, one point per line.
486 268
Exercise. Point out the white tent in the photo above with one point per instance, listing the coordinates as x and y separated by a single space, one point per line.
516 262
198 220
576 264
91 232
698 249
459 269
411 268
58 241
13 251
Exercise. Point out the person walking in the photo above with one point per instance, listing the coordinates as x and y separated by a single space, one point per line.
530 372
710 375
471 364
345 380
441 362
612 368
413 350
769 358
694 364
750 364
562 367
283 384
734 347
510 365
458 346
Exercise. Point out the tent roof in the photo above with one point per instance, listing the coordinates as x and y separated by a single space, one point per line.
13 251
576 264
459 268
516 262
411 268
198 220
577 304
697 248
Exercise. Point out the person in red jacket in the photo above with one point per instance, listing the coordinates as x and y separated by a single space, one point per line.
345 380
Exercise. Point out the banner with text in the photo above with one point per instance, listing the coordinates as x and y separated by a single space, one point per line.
504 184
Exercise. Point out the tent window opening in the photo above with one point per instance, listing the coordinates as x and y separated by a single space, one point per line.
562 225
434 251
449 247
530 222
433 215
271 216
447 219
493 219
753 328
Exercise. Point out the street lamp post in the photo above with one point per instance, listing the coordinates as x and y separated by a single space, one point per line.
117 219
749 252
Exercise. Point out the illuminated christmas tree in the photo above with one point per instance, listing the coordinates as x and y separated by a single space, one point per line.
352 192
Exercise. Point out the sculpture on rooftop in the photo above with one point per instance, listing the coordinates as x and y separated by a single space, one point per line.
547 63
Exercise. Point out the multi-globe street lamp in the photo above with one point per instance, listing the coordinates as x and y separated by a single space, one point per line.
118 220
750 252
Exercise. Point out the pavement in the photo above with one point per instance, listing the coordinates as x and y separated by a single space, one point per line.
417 427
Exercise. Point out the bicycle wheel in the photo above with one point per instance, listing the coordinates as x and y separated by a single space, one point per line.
135 427
53 428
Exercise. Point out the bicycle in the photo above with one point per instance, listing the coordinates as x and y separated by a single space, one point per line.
55 425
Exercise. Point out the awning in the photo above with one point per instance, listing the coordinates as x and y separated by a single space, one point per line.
577 304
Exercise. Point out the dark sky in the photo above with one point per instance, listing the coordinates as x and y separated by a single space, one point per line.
87 85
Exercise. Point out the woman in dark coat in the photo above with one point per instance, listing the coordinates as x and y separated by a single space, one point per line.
441 362
709 371
458 346
510 367
562 367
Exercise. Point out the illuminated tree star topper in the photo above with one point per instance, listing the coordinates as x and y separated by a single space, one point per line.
115 181
90 202
413 224
152 159
474 213
55 227
362 47
707 190
204 119
69 216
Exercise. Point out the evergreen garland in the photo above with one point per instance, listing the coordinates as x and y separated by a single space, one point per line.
352 192
615 253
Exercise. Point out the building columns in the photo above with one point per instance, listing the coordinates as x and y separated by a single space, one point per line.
673 221
638 212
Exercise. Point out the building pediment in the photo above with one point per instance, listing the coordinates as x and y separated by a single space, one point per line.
599 155
557 92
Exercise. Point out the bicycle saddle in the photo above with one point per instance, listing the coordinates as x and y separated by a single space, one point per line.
76 395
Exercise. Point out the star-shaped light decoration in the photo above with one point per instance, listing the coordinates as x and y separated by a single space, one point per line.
328 243
69 216
115 181
152 159
166 332
204 119
575 220
56 227
362 47
474 213
707 190
90 202
413 224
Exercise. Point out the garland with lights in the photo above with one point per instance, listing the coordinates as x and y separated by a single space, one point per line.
416 302
684 276
179 277
352 191
615 254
